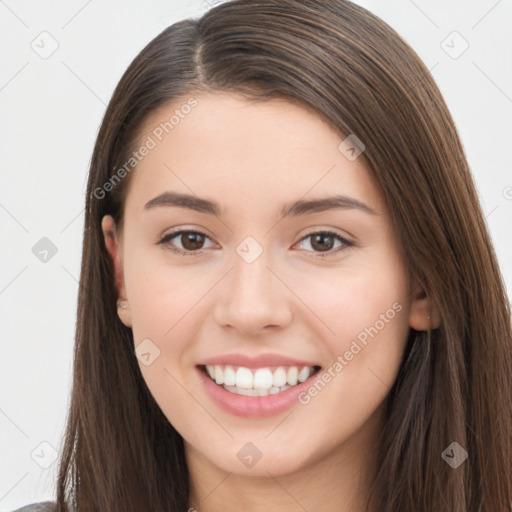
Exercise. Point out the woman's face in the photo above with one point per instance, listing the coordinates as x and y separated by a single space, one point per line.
257 282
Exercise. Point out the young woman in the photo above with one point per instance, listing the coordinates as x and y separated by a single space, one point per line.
289 299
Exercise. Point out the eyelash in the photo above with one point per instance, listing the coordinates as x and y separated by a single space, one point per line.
347 243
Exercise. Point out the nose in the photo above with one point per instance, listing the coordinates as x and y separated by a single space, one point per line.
253 297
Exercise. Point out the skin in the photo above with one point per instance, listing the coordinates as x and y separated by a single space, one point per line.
252 159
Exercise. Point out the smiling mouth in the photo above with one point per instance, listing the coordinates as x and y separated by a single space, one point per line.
258 381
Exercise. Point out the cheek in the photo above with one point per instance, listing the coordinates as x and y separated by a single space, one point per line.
163 303
368 314
161 296
349 301
365 326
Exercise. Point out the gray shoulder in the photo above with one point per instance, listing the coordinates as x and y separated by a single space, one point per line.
43 506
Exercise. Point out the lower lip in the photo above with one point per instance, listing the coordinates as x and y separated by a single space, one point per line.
253 406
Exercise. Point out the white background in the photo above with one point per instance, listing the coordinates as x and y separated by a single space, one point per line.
50 113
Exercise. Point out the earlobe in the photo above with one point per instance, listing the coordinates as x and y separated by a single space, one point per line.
113 246
423 314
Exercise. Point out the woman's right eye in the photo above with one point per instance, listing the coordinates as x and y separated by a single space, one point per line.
191 242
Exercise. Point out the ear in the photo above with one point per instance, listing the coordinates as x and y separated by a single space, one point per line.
421 309
114 249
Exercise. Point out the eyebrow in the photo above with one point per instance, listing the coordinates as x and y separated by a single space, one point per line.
295 209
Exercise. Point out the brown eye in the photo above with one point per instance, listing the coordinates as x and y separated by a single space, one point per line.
191 241
324 242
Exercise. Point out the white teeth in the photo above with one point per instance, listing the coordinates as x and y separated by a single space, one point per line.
245 392
260 379
243 378
219 375
229 376
304 374
279 378
292 375
255 392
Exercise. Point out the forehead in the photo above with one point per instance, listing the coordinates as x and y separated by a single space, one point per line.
232 117
224 144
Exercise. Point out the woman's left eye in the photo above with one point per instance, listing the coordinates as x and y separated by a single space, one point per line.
192 242
321 239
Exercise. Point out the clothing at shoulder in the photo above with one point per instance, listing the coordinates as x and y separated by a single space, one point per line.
43 506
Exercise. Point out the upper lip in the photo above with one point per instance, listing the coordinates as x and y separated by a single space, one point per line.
259 361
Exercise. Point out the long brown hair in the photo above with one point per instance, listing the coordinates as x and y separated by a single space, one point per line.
120 453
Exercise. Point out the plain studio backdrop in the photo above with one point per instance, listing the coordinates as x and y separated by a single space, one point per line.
60 64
